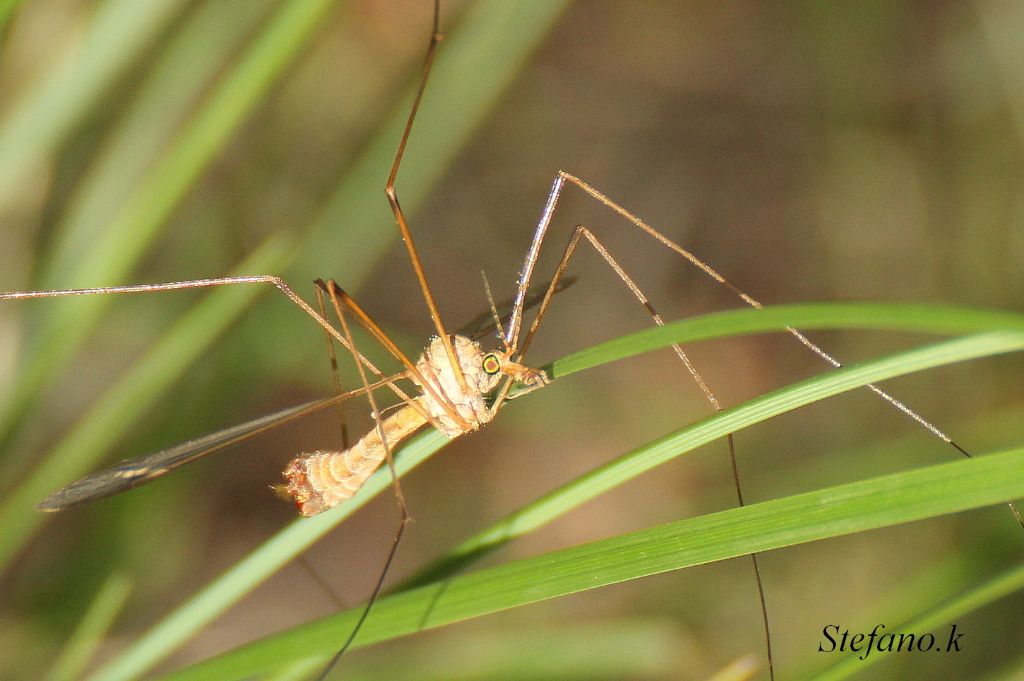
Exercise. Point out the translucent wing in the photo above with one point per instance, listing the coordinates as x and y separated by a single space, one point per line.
135 472
483 323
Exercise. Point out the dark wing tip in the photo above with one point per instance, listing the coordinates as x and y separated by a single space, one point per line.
99 485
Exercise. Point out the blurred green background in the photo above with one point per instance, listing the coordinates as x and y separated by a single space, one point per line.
808 151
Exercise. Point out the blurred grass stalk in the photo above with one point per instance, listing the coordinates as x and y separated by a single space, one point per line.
93 627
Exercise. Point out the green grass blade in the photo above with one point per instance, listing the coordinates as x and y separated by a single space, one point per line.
179 78
45 114
113 254
832 512
272 555
7 8
95 624
937 319
639 461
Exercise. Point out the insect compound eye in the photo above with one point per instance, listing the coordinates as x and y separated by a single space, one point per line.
492 365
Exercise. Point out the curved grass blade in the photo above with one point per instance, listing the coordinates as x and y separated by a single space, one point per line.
113 254
936 319
588 486
227 589
832 512
43 117
94 625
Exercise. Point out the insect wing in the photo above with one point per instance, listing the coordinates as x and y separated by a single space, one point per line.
134 472
482 324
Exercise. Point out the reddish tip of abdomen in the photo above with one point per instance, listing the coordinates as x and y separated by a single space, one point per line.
307 499
319 481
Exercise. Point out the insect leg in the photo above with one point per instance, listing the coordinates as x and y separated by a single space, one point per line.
531 259
709 394
279 283
342 299
335 373
301 559
404 519
396 208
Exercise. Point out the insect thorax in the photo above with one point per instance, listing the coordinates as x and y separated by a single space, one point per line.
437 370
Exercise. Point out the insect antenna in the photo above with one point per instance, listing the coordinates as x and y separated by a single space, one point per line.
494 313
483 324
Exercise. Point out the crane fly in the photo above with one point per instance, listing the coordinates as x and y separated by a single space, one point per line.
132 473
455 385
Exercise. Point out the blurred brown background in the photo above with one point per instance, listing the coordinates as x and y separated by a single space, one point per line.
808 151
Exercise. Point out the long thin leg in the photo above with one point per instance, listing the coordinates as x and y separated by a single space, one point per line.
301 559
348 302
396 208
335 373
531 261
403 509
709 394
279 283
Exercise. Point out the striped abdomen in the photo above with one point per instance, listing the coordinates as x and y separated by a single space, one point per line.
322 480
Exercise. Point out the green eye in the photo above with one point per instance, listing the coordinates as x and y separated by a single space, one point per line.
492 364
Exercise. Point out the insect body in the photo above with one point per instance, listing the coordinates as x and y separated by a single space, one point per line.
321 480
